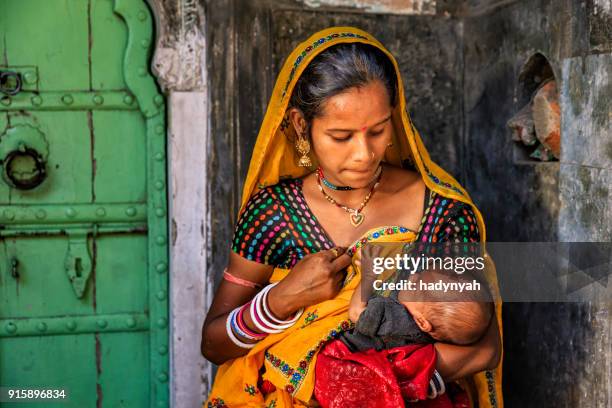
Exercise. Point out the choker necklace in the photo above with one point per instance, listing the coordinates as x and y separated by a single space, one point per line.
355 215
329 184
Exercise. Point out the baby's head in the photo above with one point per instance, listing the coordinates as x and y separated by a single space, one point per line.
462 320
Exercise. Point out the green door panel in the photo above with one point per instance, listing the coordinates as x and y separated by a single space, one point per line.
83 207
51 35
54 362
120 149
69 164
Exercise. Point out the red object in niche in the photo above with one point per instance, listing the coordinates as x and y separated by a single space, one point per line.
385 378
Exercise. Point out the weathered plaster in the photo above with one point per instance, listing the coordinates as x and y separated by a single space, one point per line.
586 111
179 64
179 59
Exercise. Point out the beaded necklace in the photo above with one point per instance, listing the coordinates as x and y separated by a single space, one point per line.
355 215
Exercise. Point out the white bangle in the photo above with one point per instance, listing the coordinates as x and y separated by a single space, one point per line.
433 392
259 311
230 333
442 389
269 315
256 314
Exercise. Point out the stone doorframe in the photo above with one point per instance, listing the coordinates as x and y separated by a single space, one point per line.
179 65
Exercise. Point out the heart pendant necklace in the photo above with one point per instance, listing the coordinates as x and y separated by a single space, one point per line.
356 217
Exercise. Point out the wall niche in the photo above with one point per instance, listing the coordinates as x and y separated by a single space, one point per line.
536 126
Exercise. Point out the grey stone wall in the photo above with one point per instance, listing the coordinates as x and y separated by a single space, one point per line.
557 355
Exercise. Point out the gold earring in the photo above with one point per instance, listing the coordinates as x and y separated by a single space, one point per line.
302 145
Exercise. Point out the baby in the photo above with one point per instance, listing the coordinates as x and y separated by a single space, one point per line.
456 318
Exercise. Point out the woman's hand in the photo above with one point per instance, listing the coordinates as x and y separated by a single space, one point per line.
314 279
455 362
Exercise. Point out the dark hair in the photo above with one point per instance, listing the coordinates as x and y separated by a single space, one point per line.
339 68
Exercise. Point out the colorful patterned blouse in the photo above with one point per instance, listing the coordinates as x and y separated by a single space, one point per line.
277 227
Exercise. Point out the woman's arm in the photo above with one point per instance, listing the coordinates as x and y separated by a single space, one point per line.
216 345
455 362
315 278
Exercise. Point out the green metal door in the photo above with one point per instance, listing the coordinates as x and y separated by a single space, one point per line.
83 237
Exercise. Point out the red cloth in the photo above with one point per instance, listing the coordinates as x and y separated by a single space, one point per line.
373 378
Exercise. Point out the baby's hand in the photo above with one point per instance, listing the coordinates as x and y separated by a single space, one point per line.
356 305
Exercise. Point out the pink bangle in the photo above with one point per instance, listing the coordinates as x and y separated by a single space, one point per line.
243 326
239 281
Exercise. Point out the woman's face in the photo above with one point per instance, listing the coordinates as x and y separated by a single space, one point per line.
351 134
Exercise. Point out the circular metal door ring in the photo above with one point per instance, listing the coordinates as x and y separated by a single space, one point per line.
24 168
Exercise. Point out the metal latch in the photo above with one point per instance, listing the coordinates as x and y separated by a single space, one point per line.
78 262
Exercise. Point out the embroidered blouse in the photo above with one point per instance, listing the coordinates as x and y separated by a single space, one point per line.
277 227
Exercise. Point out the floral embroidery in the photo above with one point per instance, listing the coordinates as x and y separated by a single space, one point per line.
373 235
310 317
440 182
216 403
491 388
250 389
272 404
314 45
296 375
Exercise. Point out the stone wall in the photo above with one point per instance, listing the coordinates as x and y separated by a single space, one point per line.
557 355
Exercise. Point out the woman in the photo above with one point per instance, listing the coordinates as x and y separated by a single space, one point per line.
338 108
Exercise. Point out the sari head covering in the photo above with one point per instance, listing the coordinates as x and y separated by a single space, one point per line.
289 357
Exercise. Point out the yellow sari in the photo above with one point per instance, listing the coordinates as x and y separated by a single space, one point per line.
289 357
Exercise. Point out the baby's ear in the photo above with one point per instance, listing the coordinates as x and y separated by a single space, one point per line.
422 322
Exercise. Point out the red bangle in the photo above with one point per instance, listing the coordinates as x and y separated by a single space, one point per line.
239 281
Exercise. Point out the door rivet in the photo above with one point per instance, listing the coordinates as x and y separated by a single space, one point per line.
71 326
161 295
67 99
159 129
40 214
161 240
130 322
159 185
71 212
30 77
142 71
161 322
161 267
10 327
142 15
145 43
159 156
98 99
158 100
102 323
6 101
36 100
130 212
128 99
160 212
162 377
163 350
100 212
41 327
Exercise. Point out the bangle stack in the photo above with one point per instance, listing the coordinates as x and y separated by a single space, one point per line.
262 317
436 385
